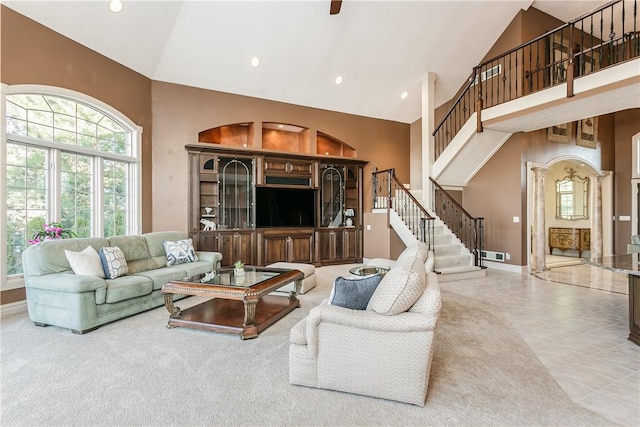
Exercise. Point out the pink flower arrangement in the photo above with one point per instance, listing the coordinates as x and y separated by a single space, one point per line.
51 231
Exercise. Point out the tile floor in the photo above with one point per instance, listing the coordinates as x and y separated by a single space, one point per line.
576 321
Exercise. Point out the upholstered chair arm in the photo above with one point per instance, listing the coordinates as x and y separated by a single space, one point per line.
212 257
368 319
65 282
360 319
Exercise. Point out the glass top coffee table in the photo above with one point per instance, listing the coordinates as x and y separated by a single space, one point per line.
239 304
366 270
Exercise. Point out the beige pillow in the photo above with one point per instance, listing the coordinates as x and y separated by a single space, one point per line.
415 249
85 262
400 288
431 262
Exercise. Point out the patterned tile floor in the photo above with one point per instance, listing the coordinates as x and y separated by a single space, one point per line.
576 321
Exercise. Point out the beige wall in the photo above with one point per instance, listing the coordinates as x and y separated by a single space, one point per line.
627 124
494 194
180 112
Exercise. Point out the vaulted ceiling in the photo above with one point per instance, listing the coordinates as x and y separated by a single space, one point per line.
380 48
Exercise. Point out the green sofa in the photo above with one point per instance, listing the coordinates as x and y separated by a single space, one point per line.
56 296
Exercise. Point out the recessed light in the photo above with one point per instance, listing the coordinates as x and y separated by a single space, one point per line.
281 126
404 95
115 6
255 62
339 80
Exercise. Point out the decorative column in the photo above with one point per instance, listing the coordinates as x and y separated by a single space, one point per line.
428 126
538 246
595 215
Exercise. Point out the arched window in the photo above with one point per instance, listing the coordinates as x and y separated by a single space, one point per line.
68 159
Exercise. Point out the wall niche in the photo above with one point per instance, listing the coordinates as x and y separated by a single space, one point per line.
282 137
330 146
236 134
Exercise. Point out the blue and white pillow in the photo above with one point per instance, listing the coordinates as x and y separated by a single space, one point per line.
179 252
113 262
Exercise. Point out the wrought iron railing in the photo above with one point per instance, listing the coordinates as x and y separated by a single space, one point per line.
390 194
603 38
467 228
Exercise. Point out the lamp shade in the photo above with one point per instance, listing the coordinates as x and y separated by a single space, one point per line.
349 212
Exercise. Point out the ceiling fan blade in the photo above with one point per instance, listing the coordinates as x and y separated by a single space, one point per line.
335 7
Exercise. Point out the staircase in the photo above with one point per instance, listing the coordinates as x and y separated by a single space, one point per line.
452 260
412 222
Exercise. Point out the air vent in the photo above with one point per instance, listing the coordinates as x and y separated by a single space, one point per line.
492 256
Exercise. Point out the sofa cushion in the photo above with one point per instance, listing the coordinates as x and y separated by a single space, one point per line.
127 287
155 239
48 256
161 276
113 261
400 288
85 262
354 293
196 267
134 248
179 252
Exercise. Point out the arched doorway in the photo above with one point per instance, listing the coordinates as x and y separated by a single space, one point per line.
548 199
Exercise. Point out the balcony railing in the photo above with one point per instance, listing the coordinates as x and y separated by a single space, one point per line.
603 38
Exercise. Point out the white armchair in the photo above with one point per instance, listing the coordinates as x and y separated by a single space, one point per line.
367 353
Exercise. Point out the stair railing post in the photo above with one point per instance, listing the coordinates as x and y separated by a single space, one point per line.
390 174
375 187
570 66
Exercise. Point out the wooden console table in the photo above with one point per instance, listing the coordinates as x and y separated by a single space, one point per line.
578 239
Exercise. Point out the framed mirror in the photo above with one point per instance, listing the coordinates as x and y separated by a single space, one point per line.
572 196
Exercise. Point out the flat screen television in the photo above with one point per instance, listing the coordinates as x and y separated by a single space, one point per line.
285 207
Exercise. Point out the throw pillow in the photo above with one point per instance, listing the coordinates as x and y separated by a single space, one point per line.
179 252
415 249
400 288
85 262
113 261
354 293
431 263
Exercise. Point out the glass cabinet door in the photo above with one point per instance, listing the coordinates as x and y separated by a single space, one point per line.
332 195
236 198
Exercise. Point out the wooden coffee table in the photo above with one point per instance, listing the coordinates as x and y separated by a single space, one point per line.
237 305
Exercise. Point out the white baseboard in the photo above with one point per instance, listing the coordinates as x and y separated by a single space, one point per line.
505 267
18 307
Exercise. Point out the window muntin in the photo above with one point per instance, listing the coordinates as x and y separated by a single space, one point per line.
27 205
116 206
75 141
76 197
65 121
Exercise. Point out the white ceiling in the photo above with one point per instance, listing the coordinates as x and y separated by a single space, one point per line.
381 48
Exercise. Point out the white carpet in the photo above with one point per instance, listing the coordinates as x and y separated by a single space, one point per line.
138 372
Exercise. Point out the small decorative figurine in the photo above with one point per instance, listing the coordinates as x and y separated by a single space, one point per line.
208 224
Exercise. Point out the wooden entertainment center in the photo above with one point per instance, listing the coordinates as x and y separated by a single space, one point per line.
262 207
